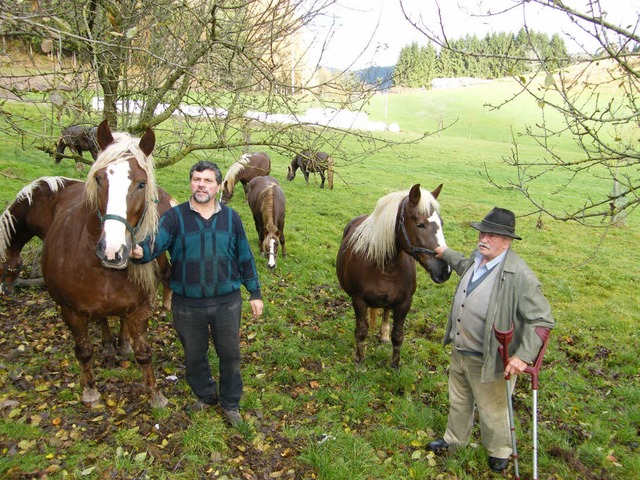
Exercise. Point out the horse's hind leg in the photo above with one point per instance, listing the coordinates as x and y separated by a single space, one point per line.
79 326
362 328
137 328
384 326
108 342
397 334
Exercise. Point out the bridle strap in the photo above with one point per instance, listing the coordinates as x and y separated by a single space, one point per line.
413 250
130 229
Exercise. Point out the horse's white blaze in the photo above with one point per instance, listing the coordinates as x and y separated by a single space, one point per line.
115 232
272 254
435 218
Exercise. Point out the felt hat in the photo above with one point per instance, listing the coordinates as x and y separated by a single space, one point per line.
499 221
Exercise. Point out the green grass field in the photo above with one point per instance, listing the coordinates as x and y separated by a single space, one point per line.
310 412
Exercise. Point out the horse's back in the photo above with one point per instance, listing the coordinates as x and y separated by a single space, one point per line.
256 187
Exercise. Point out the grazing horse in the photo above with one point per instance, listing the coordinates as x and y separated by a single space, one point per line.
85 258
267 203
79 139
307 161
376 263
248 166
30 215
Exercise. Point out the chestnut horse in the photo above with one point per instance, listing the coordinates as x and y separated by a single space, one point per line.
79 139
376 263
31 215
85 258
307 161
267 202
248 166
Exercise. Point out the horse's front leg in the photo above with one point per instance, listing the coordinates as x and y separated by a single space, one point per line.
79 326
321 173
397 333
305 172
360 309
136 325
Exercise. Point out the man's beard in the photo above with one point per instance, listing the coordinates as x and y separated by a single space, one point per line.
201 197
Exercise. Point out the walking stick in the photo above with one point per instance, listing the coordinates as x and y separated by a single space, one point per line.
504 338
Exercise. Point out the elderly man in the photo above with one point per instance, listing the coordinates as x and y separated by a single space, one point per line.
496 288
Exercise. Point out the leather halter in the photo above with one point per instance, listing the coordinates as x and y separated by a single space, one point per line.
130 229
413 250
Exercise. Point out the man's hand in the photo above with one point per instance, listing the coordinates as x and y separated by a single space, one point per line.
515 366
256 307
136 252
440 250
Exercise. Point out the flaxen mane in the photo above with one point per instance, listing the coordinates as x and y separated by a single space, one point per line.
374 238
230 178
122 149
7 226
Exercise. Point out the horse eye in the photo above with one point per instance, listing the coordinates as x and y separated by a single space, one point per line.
141 185
97 180
421 225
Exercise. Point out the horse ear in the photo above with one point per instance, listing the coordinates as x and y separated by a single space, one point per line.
104 136
436 192
414 195
147 142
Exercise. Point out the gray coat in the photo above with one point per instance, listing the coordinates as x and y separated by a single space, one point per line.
515 297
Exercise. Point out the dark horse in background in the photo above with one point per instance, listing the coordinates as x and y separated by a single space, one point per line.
307 161
85 257
376 263
248 166
267 202
78 139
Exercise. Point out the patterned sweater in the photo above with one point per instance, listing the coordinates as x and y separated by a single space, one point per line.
209 257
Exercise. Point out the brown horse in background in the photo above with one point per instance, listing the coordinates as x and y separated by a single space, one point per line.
307 161
267 202
85 258
248 166
376 263
79 139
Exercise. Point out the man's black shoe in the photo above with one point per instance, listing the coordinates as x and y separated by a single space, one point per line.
438 446
498 464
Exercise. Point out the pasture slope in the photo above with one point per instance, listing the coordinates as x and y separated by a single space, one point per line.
310 413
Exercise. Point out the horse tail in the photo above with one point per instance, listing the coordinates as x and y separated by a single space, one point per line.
330 172
268 215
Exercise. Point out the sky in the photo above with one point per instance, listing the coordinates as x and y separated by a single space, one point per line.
376 30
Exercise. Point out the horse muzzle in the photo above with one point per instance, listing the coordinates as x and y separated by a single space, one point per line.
438 269
117 260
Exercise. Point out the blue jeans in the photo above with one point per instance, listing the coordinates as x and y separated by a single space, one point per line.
193 325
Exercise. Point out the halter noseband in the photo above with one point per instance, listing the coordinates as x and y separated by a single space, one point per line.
130 229
413 250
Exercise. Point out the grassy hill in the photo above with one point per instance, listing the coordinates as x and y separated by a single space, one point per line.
310 413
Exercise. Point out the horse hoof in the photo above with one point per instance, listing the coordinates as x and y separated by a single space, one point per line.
90 396
108 350
159 401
